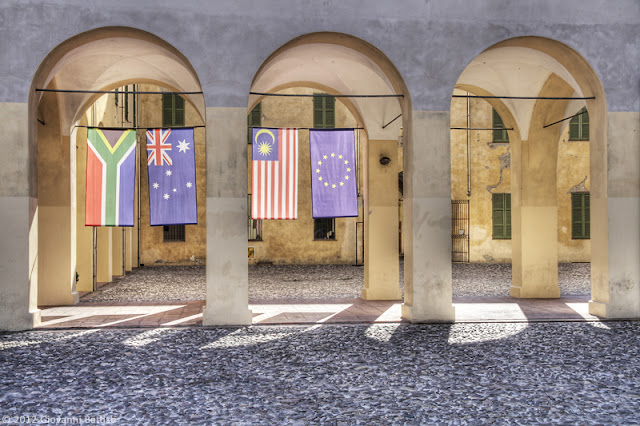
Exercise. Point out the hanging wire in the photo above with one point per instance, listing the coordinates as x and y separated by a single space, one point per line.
324 95
551 98
139 127
138 92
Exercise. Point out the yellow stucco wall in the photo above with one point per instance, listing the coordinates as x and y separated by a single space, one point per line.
292 241
491 173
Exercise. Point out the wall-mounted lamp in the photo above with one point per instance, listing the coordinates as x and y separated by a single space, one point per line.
385 160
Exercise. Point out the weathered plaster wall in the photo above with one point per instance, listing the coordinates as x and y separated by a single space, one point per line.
491 173
292 241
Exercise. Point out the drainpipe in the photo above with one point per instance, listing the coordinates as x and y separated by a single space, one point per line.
468 148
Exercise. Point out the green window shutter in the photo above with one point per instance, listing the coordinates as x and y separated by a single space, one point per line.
501 207
585 125
499 135
254 119
178 108
498 215
579 126
324 112
580 215
507 216
167 110
587 216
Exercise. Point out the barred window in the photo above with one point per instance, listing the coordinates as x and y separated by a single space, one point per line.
324 229
173 233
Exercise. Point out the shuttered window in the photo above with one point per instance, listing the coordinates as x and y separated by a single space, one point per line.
499 135
254 119
172 110
501 206
580 216
324 111
579 126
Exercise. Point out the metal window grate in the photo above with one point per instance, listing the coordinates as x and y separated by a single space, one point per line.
173 233
254 226
460 230
324 229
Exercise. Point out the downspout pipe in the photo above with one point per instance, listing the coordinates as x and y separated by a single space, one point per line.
468 147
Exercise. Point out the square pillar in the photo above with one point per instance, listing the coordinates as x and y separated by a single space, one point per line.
227 264
427 219
117 251
104 255
19 216
382 266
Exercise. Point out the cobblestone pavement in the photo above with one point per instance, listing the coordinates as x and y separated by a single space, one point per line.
281 282
537 373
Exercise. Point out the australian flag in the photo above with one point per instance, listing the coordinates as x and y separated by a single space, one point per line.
333 173
172 176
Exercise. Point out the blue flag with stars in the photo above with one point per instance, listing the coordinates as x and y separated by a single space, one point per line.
172 177
333 173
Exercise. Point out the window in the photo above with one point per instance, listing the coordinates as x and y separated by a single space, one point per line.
579 126
254 225
173 233
501 216
499 136
324 229
254 119
324 111
580 216
172 110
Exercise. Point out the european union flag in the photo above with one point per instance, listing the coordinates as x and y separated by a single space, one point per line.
172 176
333 173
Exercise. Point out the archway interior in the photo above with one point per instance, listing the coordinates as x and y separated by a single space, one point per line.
340 65
99 60
533 170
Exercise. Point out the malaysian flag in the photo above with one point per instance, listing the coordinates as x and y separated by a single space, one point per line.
274 180
172 177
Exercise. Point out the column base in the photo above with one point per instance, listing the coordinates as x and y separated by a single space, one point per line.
546 293
382 294
220 315
444 314
598 309
21 322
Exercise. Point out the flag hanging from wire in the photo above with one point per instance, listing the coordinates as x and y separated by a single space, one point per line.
333 173
274 175
110 184
172 177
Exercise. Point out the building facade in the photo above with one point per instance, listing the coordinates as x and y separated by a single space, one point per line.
534 63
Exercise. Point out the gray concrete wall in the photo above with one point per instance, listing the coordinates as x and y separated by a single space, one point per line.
430 42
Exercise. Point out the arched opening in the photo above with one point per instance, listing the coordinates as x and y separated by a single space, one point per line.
62 103
347 68
527 186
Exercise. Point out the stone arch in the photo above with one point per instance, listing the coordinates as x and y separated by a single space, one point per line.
536 66
341 64
98 60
